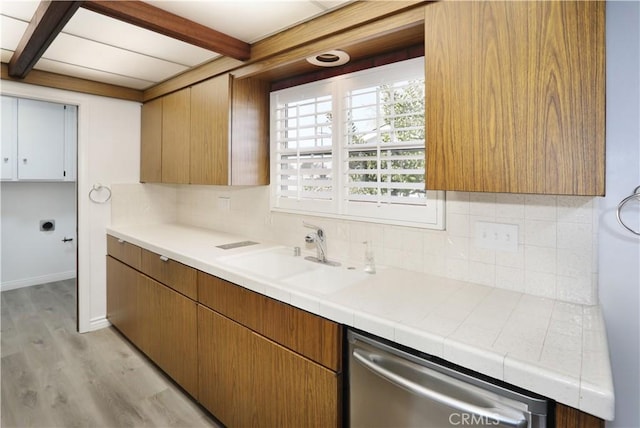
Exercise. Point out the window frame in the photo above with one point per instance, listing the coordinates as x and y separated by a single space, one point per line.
429 216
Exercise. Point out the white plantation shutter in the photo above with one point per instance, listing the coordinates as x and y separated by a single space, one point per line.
304 150
353 147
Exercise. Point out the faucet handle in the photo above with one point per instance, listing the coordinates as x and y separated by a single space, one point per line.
311 226
319 231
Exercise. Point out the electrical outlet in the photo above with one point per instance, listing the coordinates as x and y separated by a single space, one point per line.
496 236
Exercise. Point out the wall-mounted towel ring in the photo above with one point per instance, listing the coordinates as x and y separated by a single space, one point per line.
634 196
96 191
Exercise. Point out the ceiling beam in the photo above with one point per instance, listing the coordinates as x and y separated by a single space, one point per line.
160 21
47 22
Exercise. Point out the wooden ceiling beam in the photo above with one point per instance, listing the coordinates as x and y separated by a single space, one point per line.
160 21
47 22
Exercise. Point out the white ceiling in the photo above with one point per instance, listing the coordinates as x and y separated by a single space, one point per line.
95 47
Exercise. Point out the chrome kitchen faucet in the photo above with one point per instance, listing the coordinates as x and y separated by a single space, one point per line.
318 238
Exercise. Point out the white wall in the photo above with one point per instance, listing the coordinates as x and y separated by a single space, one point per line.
108 153
31 256
620 250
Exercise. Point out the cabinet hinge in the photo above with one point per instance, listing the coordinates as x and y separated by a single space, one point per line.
64 173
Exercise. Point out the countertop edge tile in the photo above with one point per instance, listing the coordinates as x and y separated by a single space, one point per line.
534 377
419 339
482 360
374 325
595 400
336 313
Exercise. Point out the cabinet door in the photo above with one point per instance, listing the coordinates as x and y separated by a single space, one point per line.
151 142
159 321
210 131
176 113
168 331
9 155
41 137
248 380
70 142
122 298
568 417
515 97
250 132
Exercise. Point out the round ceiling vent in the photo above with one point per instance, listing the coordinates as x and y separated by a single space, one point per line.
329 59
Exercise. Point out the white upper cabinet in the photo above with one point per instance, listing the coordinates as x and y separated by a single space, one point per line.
9 155
44 144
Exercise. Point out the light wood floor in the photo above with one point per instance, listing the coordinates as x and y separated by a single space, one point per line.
53 376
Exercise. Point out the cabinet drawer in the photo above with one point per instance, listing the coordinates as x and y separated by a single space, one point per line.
125 252
314 337
173 274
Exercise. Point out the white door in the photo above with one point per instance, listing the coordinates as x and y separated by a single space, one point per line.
41 127
9 138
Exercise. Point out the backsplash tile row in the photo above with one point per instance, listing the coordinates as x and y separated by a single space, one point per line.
555 257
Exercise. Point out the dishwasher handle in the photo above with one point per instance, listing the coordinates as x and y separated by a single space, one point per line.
365 358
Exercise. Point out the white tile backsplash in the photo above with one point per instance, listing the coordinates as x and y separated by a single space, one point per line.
137 203
555 257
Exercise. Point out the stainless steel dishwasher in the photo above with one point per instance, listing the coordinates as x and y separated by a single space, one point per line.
390 387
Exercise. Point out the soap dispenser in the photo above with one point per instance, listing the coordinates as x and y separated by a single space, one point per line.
369 260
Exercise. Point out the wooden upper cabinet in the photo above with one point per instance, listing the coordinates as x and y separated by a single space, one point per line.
230 131
214 132
515 97
176 113
210 131
250 132
151 142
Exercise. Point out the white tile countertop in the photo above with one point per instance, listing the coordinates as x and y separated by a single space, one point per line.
547 346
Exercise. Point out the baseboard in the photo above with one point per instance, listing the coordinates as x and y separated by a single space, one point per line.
98 323
43 279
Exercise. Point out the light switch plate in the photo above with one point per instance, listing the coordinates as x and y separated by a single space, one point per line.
224 203
496 236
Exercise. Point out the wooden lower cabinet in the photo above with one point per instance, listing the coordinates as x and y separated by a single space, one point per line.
248 380
307 334
568 417
243 377
169 332
180 277
159 321
122 298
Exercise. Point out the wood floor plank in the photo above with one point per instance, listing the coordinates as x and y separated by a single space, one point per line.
53 376
8 332
21 400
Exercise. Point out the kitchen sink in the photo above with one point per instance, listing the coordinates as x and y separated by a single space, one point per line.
325 279
280 265
274 263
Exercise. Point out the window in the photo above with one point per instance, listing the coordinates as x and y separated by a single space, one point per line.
353 147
